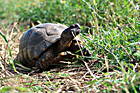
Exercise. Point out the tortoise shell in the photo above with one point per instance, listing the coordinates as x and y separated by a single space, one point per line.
40 38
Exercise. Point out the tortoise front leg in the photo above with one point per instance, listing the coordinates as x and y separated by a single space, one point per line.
79 49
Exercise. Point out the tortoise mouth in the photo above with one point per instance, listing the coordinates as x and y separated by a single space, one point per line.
75 32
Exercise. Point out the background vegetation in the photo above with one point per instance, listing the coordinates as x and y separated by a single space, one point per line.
110 28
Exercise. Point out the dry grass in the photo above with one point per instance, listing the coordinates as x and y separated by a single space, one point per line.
9 42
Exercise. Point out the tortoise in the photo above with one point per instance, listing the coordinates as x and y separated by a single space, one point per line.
46 44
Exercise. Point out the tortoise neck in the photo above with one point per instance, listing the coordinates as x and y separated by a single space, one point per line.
63 45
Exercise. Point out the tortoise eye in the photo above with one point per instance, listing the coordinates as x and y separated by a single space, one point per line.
77 25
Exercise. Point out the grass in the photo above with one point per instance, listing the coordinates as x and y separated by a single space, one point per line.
110 30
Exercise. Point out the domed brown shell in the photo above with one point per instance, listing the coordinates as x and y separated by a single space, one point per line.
38 39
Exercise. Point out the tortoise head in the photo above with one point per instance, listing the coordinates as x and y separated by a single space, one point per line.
69 33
